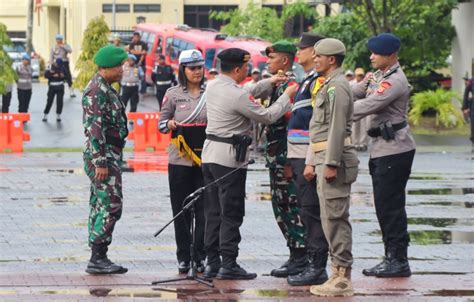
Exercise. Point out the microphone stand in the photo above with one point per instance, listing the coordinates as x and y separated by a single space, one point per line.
193 197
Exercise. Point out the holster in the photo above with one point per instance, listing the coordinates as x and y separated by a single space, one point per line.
386 130
241 143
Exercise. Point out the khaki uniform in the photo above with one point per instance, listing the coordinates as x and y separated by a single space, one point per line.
330 130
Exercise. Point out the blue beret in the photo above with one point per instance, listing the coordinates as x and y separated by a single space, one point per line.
26 57
132 56
59 37
384 44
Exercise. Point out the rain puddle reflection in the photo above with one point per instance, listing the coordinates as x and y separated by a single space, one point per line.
440 222
147 162
433 237
442 191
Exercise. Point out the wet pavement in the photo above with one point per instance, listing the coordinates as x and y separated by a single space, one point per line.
43 242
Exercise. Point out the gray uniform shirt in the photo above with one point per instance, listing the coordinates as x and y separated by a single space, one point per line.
230 109
333 107
131 75
179 104
385 97
60 52
24 77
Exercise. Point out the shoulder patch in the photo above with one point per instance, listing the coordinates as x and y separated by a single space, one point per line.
383 86
165 99
332 93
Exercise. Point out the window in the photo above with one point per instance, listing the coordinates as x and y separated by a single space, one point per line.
210 53
159 46
119 8
144 36
147 8
198 15
151 40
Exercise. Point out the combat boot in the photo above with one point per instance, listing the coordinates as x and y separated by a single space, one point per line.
314 273
99 264
213 265
230 270
395 264
370 272
339 285
294 265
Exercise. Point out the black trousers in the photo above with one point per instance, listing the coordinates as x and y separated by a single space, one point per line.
183 181
24 97
52 92
224 209
472 124
68 76
389 179
130 93
310 213
160 93
6 99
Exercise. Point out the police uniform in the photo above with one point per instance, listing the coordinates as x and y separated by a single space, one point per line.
62 51
230 110
163 77
105 128
308 201
385 96
56 75
6 98
184 161
24 85
130 81
284 201
330 131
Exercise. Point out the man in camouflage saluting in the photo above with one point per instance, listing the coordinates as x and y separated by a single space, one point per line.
105 128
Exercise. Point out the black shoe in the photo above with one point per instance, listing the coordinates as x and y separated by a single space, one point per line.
393 268
183 267
211 270
200 266
312 275
234 273
293 266
370 272
104 266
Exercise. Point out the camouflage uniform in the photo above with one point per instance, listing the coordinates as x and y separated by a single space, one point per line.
104 116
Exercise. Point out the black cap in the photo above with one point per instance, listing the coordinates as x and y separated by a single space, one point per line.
136 33
308 39
234 55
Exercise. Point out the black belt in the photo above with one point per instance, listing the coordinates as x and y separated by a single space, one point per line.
115 141
375 132
227 140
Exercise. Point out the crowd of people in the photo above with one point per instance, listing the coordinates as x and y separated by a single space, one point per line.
309 151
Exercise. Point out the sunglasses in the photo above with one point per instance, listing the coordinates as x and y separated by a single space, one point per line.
193 68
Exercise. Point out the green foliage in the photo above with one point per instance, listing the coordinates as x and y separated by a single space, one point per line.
444 103
262 22
7 74
95 37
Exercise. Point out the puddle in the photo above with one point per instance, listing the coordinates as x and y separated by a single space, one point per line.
64 199
437 273
451 293
146 162
442 191
78 171
259 196
434 237
463 204
439 222
425 177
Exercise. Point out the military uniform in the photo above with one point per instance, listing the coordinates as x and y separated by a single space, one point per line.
130 81
105 128
163 77
229 111
24 86
385 96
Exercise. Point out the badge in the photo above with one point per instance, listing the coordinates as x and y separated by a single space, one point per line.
383 86
165 99
332 93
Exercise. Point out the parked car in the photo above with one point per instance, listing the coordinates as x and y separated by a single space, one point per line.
17 50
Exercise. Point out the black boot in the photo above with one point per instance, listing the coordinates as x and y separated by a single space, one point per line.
370 272
183 267
315 272
396 264
100 264
230 270
294 265
213 265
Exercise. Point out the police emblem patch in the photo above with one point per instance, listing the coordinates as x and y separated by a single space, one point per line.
383 86
332 93
195 55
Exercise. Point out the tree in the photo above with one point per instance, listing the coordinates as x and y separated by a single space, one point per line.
262 22
7 74
95 37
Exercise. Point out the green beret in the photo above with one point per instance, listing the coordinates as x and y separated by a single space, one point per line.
281 46
110 56
330 47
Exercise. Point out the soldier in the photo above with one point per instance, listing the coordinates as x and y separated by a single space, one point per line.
105 128
184 114
56 74
284 203
131 77
163 77
229 111
61 50
333 159
385 96
298 142
468 105
24 84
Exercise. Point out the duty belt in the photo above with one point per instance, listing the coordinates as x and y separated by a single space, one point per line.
162 83
321 146
115 141
227 140
129 84
375 132
24 80
56 83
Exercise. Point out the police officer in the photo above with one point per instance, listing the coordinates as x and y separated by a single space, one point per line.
230 109
56 74
62 50
105 128
184 114
131 77
468 105
284 203
6 98
333 159
163 77
385 96
298 142
213 73
24 84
